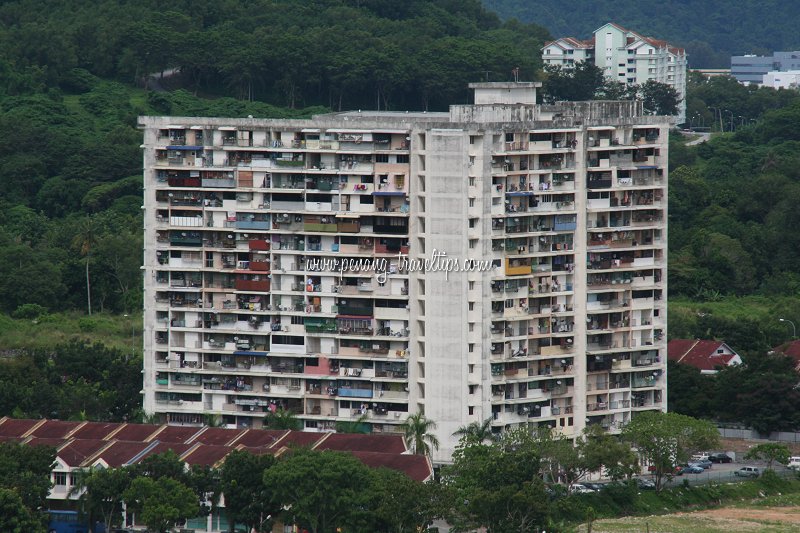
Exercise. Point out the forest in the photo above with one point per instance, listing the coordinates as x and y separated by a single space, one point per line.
710 30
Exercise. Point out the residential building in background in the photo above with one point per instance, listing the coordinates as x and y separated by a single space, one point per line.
555 316
708 356
624 56
752 68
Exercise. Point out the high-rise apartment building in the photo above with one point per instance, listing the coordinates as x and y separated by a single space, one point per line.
625 56
281 272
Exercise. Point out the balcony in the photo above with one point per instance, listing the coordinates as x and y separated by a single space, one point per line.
320 227
252 285
517 270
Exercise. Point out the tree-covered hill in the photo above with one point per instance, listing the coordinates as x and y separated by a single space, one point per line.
710 30
340 53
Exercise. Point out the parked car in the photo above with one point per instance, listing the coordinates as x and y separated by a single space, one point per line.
748 471
700 456
594 486
704 464
678 471
645 484
721 458
794 463
580 488
693 469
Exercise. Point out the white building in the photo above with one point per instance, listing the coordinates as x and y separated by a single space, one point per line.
782 80
566 203
625 56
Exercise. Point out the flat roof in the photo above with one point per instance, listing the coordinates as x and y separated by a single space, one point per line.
506 85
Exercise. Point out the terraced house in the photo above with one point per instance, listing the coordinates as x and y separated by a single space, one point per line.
281 273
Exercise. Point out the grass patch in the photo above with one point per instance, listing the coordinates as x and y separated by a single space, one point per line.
115 331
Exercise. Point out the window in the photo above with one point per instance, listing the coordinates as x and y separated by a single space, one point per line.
471 178
402 158
471 368
473 243
471 285
471 349
472 308
471 410
472 202
381 158
509 304
472 222
509 137
472 389
472 139
60 478
472 326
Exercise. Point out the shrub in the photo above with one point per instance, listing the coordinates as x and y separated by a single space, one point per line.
31 311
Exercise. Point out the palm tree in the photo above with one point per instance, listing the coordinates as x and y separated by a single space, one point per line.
476 432
84 240
417 430
282 419
360 425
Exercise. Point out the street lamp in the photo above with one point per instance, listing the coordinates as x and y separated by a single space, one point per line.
794 330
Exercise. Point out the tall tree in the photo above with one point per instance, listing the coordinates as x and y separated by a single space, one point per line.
100 492
248 500
667 439
161 502
497 486
15 517
320 491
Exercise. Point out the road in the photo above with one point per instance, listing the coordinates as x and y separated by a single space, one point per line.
702 137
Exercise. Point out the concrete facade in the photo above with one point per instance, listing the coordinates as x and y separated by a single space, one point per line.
624 56
559 321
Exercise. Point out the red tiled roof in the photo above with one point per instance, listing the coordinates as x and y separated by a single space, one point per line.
120 444
298 438
55 442
78 450
363 443
417 467
95 430
791 348
121 452
14 428
260 438
136 432
206 455
700 354
57 429
176 433
162 447
217 436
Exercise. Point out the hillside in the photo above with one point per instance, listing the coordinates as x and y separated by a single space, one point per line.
710 30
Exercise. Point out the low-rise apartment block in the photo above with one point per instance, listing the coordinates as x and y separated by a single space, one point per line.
624 56
283 266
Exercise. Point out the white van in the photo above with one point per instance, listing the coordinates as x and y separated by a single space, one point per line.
794 463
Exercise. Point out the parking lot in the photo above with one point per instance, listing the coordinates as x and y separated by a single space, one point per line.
724 473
